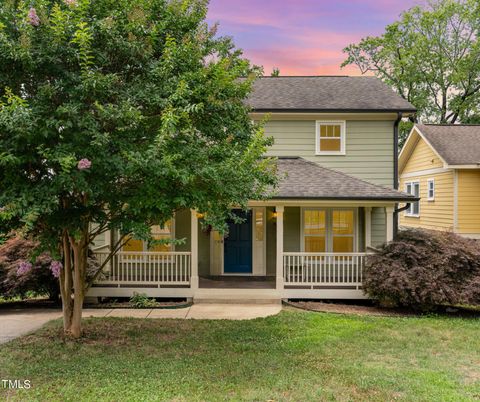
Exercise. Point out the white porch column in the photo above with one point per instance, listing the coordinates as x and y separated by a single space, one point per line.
389 222
194 249
279 283
368 227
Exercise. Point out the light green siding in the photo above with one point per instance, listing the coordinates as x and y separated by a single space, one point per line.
291 227
378 227
182 230
203 250
369 147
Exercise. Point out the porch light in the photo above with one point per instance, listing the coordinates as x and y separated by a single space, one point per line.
274 215
200 216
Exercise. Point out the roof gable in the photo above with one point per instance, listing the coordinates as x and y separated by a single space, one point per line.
455 144
325 94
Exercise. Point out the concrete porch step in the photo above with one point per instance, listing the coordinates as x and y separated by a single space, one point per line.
237 296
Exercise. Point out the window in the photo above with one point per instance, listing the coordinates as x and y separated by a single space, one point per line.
414 189
330 230
342 231
158 233
330 138
431 189
314 230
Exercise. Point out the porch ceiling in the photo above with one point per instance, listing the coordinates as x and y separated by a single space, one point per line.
302 179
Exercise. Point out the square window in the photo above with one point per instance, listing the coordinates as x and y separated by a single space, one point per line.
330 138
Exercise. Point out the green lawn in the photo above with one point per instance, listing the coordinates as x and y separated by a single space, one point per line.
298 356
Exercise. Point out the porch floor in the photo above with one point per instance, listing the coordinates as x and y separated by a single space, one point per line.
236 282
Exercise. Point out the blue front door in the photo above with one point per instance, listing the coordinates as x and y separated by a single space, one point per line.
238 246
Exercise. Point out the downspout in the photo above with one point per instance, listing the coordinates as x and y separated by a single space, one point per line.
395 170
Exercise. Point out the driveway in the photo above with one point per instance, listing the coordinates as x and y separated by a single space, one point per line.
18 322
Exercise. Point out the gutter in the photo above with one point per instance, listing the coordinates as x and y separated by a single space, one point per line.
395 171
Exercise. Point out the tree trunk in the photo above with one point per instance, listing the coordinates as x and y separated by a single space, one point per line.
79 263
66 285
72 283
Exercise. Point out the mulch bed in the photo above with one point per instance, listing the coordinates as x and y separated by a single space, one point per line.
171 304
372 310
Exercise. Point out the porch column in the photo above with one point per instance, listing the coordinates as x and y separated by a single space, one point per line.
194 249
279 278
368 227
389 222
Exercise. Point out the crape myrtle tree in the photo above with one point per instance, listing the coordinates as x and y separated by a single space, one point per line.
114 114
431 57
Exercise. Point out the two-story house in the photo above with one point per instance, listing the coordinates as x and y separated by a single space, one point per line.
336 143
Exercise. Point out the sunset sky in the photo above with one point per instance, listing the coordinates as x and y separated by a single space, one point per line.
303 37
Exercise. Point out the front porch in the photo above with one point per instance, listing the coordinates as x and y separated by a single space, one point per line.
197 271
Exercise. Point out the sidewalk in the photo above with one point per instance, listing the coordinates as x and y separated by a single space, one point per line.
18 322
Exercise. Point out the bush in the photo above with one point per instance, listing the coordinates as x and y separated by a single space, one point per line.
423 269
141 300
38 280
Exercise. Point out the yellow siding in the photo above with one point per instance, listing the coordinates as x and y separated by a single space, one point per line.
468 201
437 214
422 158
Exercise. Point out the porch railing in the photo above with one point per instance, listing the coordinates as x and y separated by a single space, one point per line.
145 268
323 269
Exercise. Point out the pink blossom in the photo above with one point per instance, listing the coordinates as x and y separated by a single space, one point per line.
56 267
23 268
33 17
84 164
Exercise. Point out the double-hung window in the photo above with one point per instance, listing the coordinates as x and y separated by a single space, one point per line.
330 137
329 230
414 189
431 189
159 233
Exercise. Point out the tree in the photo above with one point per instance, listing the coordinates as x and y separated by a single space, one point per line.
275 72
115 114
431 57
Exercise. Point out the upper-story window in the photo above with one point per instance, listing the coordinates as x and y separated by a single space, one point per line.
330 137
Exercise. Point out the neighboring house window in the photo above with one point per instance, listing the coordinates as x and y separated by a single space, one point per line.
331 230
330 138
431 189
414 189
158 233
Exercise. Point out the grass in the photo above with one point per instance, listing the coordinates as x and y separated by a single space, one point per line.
298 356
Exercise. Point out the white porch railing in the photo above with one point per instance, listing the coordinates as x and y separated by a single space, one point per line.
145 268
323 269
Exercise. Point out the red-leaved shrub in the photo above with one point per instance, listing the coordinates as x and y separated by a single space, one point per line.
38 279
423 269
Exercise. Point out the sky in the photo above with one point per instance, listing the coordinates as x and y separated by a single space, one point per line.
303 37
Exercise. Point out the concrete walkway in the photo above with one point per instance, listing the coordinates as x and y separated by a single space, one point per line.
18 322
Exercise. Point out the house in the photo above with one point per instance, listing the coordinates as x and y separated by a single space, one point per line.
336 143
441 165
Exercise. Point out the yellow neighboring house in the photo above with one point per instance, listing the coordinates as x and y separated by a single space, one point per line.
441 164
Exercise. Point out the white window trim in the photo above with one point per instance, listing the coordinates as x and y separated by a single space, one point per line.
342 124
407 212
432 198
328 227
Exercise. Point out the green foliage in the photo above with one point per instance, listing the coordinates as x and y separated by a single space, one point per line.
141 300
145 91
275 72
430 57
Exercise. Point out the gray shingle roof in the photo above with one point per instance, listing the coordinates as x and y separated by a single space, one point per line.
456 144
325 93
301 179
